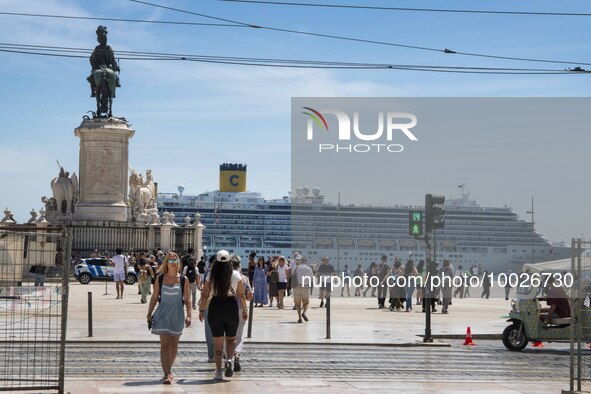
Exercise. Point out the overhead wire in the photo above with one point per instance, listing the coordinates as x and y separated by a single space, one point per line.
367 41
234 23
388 8
45 50
121 20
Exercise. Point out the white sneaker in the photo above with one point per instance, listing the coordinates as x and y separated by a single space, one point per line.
218 375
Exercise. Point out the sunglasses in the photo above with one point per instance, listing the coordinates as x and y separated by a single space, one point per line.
172 261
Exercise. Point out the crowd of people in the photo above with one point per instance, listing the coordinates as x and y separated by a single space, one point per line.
173 282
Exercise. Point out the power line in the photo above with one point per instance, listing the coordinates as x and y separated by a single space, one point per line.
381 8
120 20
367 41
192 13
44 50
240 24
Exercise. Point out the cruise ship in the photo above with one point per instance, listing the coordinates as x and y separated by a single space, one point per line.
244 222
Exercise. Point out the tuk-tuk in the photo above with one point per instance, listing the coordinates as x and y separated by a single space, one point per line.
527 325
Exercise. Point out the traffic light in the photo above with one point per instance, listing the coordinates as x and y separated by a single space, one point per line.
434 212
415 223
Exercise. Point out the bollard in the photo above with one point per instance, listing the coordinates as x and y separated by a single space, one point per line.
250 311
90 313
328 318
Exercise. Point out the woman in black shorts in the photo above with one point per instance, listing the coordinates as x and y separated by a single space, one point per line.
223 282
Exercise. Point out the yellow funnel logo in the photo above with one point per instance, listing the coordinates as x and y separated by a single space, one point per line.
232 181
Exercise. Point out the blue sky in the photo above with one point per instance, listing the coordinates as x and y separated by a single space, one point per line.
190 117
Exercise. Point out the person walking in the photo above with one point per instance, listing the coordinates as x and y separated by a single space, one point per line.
201 267
508 285
145 276
171 291
460 288
282 274
154 265
358 274
225 284
383 273
119 272
192 274
239 342
430 291
272 279
371 272
301 293
420 281
39 274
410 274
446 285
325 271
251 266
186 259
205 304
346 281
486 286
397 293
260 283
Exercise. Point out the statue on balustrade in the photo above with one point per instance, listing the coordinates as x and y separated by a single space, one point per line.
65 193
142 194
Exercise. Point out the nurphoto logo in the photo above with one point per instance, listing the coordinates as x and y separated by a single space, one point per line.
396 124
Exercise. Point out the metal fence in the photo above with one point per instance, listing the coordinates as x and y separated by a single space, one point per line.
33 308
580 362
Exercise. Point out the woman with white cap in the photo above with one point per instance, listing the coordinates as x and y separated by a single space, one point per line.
226 284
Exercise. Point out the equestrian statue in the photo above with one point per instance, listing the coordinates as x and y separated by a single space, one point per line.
104 77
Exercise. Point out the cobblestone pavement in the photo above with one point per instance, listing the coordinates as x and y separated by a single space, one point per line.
487 361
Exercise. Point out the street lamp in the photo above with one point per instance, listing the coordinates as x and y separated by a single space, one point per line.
205 253
532 224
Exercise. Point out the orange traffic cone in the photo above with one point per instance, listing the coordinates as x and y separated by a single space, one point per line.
468 340
538 344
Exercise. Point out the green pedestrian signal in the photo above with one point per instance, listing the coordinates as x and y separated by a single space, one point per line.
415 223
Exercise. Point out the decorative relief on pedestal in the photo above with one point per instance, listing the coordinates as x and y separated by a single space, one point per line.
103 171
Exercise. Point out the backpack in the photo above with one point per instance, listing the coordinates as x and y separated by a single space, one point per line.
161 279
191 274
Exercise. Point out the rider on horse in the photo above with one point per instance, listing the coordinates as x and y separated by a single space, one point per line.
103 62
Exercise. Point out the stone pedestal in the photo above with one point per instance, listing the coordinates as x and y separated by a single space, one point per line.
104 147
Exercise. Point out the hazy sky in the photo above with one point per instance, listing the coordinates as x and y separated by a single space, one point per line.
191 116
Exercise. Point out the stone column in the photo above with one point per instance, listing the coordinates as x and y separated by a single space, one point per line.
165 233
198 234
104 149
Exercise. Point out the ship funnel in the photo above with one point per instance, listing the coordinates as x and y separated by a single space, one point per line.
306 190
232 177
315 192
181 189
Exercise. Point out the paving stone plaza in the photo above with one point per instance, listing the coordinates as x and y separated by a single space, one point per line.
370 349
